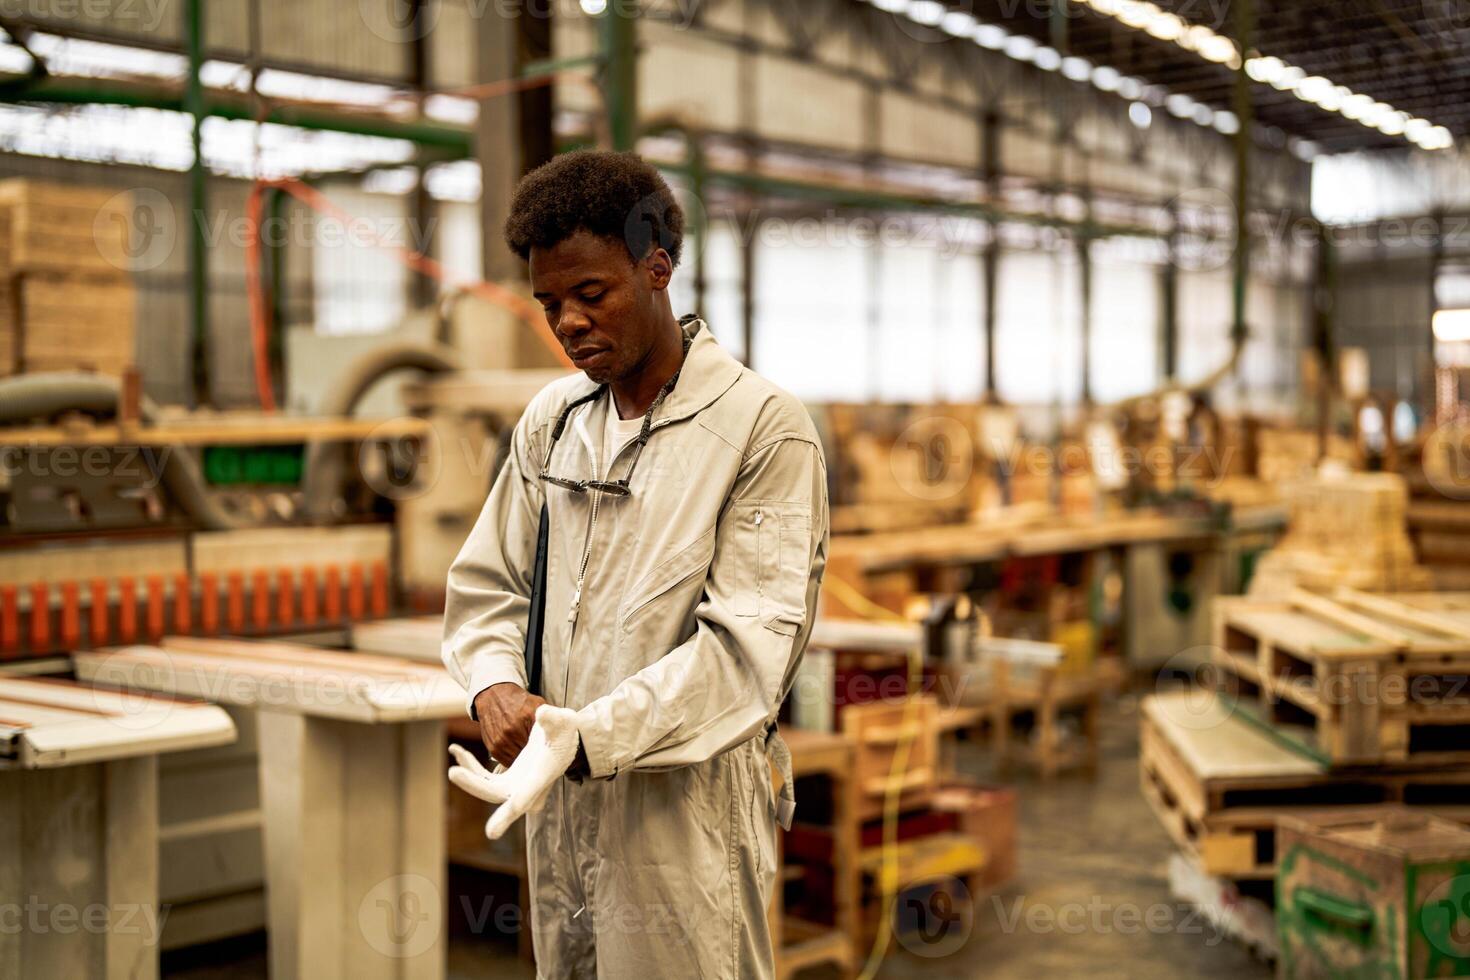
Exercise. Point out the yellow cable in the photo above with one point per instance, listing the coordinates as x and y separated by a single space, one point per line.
854 600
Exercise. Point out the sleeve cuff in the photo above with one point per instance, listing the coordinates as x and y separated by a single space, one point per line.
487 672
600 765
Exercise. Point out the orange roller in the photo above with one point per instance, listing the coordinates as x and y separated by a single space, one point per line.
260 599
380 589
40 616
127 609
285 597
332 595
208 603
355 598
183 603
235 613
9 621
71 615
155 607
97 629
308 595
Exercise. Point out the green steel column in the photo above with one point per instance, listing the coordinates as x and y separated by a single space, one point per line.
1245 30
620 71
1169 319
198 255
698 224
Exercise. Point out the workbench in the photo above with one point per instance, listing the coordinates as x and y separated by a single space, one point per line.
352 767
79 824
800 944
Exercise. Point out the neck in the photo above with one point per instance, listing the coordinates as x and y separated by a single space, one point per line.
633 393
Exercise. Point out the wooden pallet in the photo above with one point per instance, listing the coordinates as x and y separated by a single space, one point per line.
1356 679
1218 785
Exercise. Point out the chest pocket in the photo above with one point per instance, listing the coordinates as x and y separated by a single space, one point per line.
772 551
682 567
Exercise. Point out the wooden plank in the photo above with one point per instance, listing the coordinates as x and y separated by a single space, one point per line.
244 429
1217 746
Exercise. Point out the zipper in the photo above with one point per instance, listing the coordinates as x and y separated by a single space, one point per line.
576 609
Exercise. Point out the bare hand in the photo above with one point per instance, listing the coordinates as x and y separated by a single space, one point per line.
506 712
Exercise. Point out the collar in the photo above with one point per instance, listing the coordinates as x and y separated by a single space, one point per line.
708 373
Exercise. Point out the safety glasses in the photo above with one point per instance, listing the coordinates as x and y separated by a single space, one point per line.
614 488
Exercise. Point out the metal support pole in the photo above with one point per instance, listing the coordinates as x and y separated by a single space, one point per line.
198 244
698 220
1084 273
1324 341
747 286
1245 29
990 258
1169 320
620 72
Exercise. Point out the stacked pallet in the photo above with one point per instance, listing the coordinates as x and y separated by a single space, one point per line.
66 299
1357 700
1349 530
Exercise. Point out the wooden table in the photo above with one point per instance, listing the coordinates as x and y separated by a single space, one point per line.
352 767
798 944
79 823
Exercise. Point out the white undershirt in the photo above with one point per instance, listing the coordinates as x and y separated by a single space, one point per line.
619 433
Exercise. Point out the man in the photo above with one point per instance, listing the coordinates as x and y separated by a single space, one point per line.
687 530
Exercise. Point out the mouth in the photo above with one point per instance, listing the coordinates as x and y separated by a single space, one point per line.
584 357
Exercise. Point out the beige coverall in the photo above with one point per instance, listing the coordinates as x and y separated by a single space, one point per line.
675 618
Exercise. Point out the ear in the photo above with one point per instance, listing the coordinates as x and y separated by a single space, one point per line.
660 269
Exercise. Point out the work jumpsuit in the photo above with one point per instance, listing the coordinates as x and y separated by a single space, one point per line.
675 620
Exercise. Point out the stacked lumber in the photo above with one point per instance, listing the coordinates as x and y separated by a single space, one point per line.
1218 783
66 299
1349 530
1318 703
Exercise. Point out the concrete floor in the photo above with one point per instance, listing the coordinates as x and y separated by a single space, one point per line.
1091 900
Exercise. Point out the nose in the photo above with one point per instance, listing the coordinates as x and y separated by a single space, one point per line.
572 322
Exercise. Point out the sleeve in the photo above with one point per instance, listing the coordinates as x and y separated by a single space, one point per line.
487 595
725 683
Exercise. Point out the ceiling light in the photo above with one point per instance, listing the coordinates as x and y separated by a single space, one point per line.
593 8
1314 88
1356 106
926 12
1203 115
1047 59
1179 105
892 6
1290 78
1451 326
1020 47
1265 70
1137 13
1077 69
991 37
958 23
1227 123
1392 124
1106 78
1166 27
1130 88
1140 115
1417 129
1218 49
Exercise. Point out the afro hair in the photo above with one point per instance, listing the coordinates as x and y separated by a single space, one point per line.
614 195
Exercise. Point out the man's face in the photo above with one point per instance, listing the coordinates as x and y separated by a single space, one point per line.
600 303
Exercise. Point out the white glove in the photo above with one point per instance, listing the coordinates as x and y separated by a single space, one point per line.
523 787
